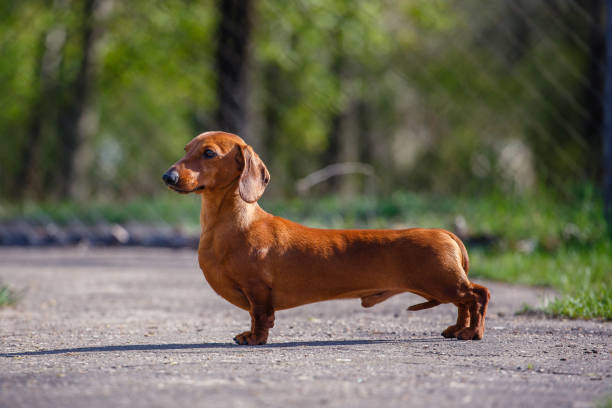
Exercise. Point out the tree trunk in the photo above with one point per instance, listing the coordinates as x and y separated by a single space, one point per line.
607 134
74 121
591 95
231 65
31 175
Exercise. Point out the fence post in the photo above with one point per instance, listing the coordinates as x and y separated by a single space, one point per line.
607 133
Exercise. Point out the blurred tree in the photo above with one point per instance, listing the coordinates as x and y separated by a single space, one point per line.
75 117
318 61
437 95
505 93
63 81
43 108
235 20
607 134
591 93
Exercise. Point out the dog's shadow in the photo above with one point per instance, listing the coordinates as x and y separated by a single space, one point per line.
204 346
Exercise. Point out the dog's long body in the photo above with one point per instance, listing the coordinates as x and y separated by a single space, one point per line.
262 263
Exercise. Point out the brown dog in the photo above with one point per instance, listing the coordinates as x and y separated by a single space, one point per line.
263 263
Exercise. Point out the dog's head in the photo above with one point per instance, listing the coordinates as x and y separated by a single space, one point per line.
215 161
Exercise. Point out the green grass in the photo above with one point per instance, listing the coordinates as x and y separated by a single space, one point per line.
582 275
605 402
8 297
563 244
589 304
169 208
549 221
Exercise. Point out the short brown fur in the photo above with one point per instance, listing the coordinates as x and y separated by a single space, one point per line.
263 263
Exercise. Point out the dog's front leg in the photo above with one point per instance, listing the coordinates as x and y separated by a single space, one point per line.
262 315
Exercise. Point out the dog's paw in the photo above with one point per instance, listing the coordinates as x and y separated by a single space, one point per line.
469 333
451 331
250 339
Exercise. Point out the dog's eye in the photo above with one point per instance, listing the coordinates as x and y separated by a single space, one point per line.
209 154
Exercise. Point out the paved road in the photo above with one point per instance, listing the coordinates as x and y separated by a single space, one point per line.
136 328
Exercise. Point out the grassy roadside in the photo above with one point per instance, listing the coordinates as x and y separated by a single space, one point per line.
8 296
537 240
581 275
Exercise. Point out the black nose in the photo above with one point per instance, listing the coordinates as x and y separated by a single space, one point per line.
171 177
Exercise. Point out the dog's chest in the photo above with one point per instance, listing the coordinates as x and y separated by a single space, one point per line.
221 272
218 279
214 267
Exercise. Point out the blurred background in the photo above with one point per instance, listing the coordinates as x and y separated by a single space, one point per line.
483 119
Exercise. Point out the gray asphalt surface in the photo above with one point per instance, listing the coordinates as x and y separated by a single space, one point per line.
136 328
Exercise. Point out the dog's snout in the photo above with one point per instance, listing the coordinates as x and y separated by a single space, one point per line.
171 177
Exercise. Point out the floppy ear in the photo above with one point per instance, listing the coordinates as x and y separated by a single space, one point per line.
254 177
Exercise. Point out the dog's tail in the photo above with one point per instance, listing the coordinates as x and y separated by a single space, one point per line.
424 305
465 260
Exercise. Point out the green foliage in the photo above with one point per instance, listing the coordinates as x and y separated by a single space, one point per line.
314 59
445 96
151 84
587 304
154 81
17 90
501 92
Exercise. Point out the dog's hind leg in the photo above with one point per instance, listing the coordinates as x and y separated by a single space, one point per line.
463 321
477 299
